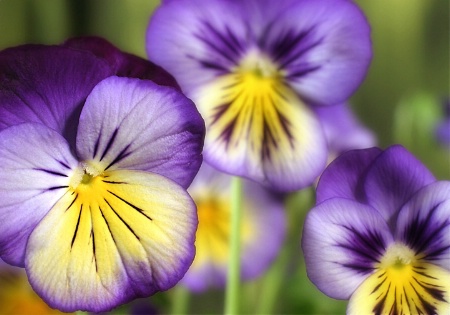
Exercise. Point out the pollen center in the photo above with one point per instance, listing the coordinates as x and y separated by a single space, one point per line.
397 256
84 174
258 65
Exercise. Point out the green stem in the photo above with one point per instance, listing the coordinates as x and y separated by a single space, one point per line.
234 265
180 300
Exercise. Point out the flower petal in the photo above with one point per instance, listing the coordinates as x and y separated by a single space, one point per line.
342 129
124 64
424 223
121 235
419 289
35 166
136 124
392 179
324 47
342 242
262 131
47 84
345 175
262 212
197 40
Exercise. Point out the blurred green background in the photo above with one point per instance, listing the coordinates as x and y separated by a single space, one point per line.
400 100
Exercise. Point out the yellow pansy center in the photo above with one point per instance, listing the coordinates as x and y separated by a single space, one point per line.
253 114
213 233
83 175
403 283
398 256
259 66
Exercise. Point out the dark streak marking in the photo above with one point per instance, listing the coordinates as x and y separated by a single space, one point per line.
50 172
123 154
57 187
76 228
73 201
131 205
126 224
111 182
63 164
110 142
107 224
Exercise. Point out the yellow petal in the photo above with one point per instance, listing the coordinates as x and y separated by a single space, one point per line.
116 236
419 288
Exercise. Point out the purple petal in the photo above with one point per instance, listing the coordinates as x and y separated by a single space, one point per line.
35 169
136 124
263 133
344 176
197 40
47 84
263 230
342 242
324 47
342 129
393 178
443 132
123 64
424 223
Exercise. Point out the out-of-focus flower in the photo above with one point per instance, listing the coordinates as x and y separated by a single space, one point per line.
443 128
255 69
342 129
379 234
16 295
93 176
263 230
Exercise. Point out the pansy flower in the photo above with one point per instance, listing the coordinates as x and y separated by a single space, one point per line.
380 234
256 69
93 174
262 234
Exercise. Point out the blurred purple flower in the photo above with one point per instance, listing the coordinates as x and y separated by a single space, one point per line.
93 173
342 129
443 128
263 230
256 70
380 234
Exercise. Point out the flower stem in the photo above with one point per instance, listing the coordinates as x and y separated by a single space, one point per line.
180 300
234 265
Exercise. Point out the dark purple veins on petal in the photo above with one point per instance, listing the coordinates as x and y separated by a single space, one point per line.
426 235
51 172
123 221
123 154
225 47
110 143
367 248
76 228
131 205
289 48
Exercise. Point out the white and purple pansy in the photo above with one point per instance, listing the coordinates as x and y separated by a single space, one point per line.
256 69
379 234
262 229
94 167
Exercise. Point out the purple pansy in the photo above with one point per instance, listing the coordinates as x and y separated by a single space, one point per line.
262 233
94 167
379 234
256 69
